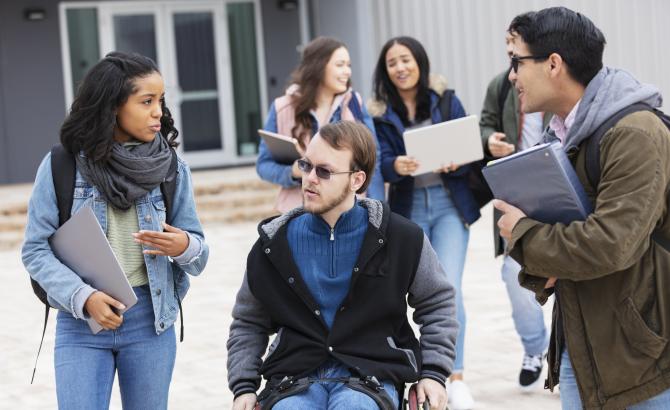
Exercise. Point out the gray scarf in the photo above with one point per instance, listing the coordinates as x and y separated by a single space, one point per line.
129 173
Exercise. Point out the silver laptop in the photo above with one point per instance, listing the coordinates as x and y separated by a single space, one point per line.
83 247
439 145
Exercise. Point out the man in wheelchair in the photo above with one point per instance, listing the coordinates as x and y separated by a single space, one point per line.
333 279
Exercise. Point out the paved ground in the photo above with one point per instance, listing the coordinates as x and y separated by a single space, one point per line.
493 351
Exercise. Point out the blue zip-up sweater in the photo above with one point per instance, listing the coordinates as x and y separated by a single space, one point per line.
326 257
389 132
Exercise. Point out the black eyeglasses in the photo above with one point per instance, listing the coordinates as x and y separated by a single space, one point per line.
515 60
321 172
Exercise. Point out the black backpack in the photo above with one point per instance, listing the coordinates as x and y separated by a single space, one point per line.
505 87
63 172
592 146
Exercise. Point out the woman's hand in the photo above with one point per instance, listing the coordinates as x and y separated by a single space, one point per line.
99 306
295 171
447 168
171 242
404 165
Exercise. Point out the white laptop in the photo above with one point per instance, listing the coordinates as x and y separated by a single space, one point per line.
281 147
457 141
81 245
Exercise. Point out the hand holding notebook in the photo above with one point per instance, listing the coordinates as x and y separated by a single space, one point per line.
283 149
541 182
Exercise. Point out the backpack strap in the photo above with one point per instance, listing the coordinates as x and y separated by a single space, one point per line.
44 330
168 189
445 104
593 156
505 86
593 142
355 107
63 172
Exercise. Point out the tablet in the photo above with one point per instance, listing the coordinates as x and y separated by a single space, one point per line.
457 141
281 147
81 245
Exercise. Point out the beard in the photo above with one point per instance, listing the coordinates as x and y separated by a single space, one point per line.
320 209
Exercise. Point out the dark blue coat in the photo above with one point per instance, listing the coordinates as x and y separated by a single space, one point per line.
389 133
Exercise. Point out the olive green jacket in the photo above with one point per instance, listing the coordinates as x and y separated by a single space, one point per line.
613 288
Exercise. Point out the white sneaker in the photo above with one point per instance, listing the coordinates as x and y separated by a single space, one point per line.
459 396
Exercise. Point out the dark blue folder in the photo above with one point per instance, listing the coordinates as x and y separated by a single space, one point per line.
541 182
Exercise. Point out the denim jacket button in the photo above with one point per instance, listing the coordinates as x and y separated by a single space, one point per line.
158 292
147 218
317 312
291 280
267 250
162 325
356 269
381 241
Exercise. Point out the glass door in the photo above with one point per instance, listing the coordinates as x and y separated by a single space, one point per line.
209 53
198 47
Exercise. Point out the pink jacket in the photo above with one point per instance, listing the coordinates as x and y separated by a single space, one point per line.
290 198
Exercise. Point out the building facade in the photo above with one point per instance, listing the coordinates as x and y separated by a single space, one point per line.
224 61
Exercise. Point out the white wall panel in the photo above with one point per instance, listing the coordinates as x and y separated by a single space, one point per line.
465 38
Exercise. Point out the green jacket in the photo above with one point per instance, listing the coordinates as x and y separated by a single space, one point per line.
489 123
613 288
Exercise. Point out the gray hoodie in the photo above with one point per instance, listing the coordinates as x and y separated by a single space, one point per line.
610 91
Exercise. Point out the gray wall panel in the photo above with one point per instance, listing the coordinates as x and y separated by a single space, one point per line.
4 160
32 86
465 39
349 21
281 38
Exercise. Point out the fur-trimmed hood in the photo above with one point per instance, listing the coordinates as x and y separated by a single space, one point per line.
270 226
437 83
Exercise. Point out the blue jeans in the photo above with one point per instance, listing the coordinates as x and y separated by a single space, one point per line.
434 211
86 363
570 393
332 395
526 311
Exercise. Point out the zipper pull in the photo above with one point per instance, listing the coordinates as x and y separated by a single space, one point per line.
332 234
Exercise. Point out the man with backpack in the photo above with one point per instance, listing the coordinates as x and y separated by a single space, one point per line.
611 323
506 129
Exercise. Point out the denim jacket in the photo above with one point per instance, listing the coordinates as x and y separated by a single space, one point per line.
67 291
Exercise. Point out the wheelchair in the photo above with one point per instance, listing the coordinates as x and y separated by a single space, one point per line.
290 386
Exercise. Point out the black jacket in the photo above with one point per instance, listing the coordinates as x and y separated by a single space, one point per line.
370 333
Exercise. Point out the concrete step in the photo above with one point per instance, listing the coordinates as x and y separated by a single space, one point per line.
14 206
252 213
222 196
13 222
215 188
234 199
10 239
